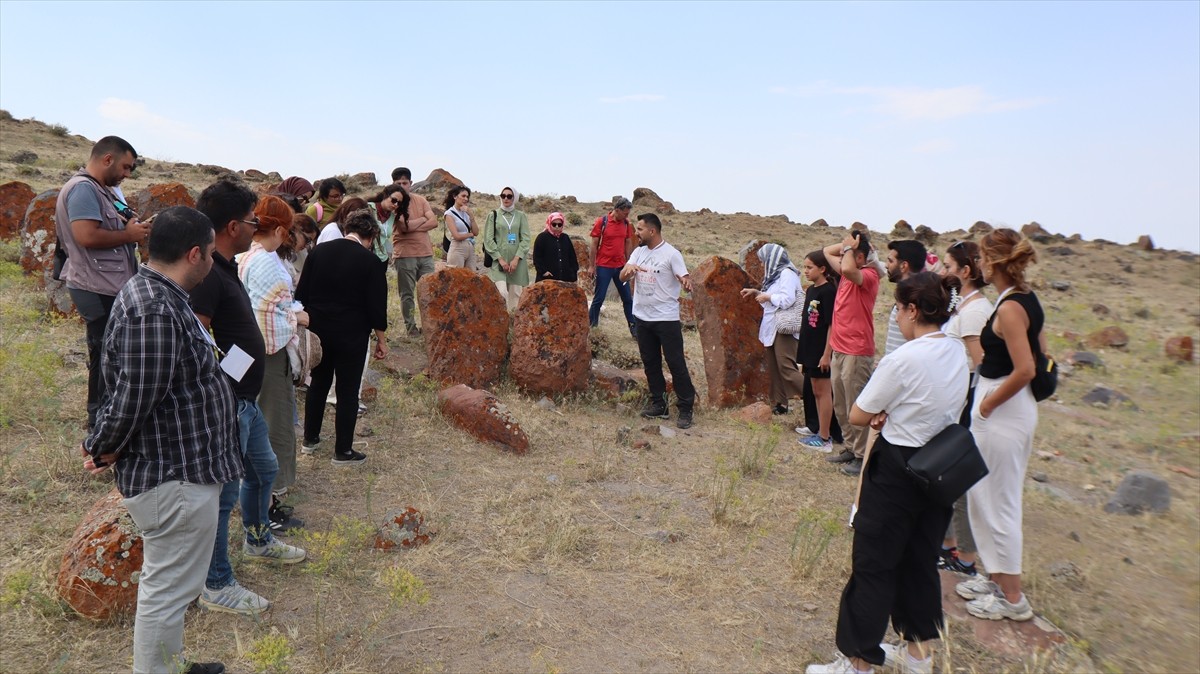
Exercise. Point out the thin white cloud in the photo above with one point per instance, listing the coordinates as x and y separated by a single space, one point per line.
135 112
634 98
916 103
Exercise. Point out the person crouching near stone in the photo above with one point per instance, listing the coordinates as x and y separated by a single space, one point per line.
780 291
169 412
658 272
914 394
554 253
461 229
344 290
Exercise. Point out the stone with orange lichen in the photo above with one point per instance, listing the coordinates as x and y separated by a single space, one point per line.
465 326
14 199
550 350
38 236
482 415
728 326
98 577
403 528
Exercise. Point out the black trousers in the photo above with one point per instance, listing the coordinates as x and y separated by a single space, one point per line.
897 536
94 309
664 339
812 419
346 357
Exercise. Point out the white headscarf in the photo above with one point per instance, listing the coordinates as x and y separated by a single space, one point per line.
516 198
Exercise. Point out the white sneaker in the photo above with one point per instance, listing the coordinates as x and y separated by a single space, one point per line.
804 432
233 598
308 448
896 657
276 551
839 666
974 588
996 607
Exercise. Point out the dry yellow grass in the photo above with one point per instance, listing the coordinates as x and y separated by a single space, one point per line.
708 551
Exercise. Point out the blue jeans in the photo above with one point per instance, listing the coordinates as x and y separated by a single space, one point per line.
255 489
603 276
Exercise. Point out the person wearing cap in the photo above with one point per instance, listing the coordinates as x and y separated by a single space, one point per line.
554 254
612 242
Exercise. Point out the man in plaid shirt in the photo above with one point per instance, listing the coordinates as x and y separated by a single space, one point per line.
167 425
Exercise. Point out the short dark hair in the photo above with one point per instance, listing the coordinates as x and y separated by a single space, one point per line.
930 293
912 252
864 242
363 224
401 172
328 185
651 220
176 231
227 199
114 145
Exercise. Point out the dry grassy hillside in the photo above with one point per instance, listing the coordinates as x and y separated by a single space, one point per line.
721 548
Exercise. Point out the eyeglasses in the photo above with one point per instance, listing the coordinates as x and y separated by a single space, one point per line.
506 196
255 222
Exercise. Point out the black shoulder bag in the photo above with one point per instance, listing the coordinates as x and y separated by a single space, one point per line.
487 258
948 465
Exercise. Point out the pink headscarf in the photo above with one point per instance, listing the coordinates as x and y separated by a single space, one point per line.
551 218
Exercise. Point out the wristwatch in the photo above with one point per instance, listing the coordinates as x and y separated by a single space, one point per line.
847 249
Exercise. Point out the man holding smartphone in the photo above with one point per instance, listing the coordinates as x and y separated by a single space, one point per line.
100 234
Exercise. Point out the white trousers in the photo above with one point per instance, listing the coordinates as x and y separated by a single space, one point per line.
994 504
510 293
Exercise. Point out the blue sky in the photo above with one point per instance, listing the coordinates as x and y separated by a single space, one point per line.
1082 116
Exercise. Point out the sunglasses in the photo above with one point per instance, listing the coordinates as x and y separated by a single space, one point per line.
557 225
256 222
506 196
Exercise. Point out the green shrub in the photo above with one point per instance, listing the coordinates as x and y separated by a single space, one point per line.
59 130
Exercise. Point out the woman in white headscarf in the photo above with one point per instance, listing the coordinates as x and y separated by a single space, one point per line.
781 292
506 239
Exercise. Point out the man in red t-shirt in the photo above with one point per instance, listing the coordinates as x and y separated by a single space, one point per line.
612 242
851 344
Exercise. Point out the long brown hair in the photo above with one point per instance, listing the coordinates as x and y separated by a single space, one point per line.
1010 252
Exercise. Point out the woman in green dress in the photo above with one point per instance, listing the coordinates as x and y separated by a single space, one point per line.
506 239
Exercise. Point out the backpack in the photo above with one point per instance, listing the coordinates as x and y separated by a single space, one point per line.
487 258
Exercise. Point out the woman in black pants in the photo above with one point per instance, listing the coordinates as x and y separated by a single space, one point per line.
914 394
344 290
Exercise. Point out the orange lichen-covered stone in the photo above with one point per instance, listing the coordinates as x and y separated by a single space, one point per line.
14 199
99 572
465 326
403 528
483 416
38 235
1179 348
728 326
750 262
550 351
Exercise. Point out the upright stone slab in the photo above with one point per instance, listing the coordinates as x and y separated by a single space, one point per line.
14 199
550 351
156 199
583 256
728 326
750 262
465 326
38 235
99 573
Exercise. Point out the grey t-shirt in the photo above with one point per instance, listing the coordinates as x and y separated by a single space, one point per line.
83 204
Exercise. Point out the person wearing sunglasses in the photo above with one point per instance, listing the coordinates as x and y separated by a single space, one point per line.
554 254
389 206
506 240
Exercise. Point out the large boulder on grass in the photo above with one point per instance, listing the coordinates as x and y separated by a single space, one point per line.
14 199
481 414
728 326
38 235
550 351
99 574
465 326
156 199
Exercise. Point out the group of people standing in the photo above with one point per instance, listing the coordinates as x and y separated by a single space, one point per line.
951 356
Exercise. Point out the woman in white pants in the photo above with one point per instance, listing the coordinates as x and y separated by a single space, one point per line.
1003 420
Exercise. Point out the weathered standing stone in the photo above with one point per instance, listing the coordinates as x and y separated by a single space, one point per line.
38 235
479 413
728 326
902 230
750 262
1111 336
1140 491
439 179
465 327
100 570
14 199
1144 242
157 198
687 311
1179 348
550 353
403 528
586 280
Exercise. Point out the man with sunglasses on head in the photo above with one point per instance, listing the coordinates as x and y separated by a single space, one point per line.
99 235
411 248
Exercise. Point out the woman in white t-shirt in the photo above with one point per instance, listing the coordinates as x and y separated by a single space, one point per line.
914 394
333 231
971 314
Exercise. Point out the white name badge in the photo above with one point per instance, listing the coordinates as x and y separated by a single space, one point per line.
236 363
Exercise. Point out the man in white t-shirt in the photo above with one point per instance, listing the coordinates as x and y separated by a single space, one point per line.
657 272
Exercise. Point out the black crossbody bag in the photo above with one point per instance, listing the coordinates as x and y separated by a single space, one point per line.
948 465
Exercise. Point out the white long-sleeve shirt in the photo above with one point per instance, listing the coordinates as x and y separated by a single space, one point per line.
784 292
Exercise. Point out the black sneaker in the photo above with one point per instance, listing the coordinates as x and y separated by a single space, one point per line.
780 410
281 521
656 411
844 456
352 458
684 420
205 668
853 468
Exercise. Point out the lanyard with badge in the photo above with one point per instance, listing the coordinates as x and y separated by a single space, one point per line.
512 237
235 363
